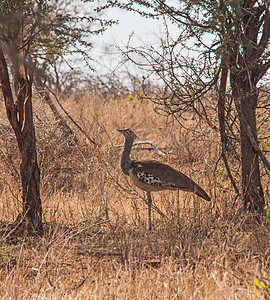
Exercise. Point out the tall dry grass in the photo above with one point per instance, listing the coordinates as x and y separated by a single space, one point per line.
96 243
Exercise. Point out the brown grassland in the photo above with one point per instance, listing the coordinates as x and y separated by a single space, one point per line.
96 243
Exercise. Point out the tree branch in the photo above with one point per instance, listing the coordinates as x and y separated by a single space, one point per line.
262 70
251 136
7 93
221 117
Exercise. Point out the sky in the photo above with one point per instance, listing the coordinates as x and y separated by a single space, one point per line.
129 22
143 31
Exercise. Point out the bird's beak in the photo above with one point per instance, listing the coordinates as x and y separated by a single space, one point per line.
124 131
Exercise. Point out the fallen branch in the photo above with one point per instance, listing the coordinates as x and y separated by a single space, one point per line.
42 90
70 118
153 146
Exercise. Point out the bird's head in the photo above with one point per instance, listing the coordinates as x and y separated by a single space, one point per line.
128 133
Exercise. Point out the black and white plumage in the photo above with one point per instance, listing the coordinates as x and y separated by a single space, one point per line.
153 176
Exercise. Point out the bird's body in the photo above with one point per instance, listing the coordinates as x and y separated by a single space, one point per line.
154 176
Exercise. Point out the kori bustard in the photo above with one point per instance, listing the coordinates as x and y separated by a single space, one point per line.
153 176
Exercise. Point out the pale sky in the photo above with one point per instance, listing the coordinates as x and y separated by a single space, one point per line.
129 22
145 31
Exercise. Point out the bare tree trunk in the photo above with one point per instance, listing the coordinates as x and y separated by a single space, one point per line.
246 99
251 181
30 174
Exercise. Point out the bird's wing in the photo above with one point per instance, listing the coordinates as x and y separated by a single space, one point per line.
165 173
167 176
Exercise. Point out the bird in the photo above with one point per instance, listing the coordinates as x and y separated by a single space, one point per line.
154 176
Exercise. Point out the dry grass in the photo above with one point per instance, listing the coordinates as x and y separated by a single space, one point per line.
96 244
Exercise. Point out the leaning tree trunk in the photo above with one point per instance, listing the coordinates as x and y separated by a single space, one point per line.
246 98
20 116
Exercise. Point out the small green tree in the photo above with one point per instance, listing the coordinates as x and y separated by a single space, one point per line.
33 35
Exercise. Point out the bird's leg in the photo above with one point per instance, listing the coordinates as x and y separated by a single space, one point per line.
149 199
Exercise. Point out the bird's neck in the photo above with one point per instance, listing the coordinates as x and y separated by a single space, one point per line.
125 159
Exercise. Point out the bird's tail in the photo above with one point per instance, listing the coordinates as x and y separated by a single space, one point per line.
201 192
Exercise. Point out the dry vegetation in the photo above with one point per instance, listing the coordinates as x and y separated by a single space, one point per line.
96 244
